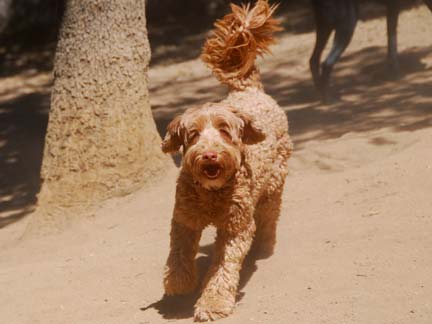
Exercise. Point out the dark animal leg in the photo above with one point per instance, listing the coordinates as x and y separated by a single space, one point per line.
344 31
392 23
323 31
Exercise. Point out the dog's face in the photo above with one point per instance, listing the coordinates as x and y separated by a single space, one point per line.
213 139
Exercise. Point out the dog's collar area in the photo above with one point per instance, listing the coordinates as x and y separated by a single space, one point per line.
198 184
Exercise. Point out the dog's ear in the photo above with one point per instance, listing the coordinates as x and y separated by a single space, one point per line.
173 137
251 133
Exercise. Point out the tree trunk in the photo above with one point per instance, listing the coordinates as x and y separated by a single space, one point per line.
101 140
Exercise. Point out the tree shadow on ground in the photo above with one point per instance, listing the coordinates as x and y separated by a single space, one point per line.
23 122
176 34
16 59
181 307
368 101
180 38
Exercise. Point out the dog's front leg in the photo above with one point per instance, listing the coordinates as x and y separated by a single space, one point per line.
220 287
180 272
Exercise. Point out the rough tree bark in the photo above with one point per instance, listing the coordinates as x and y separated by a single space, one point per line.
101 140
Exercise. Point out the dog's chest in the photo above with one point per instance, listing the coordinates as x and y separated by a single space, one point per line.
214 207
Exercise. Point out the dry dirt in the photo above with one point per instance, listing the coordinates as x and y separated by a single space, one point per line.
355 231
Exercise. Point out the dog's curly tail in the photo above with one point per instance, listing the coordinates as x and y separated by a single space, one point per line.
238 38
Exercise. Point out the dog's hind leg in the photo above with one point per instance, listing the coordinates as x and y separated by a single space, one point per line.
323 31
266 217
345 26
393 8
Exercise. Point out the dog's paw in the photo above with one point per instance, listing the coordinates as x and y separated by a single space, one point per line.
211 308
180 282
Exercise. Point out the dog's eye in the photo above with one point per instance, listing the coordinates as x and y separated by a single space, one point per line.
193 136
225 134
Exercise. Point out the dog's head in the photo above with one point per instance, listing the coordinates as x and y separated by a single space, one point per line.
213 139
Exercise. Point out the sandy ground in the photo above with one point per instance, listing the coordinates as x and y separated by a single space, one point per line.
354 240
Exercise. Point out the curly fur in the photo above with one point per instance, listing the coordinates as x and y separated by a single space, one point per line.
234 166
237 40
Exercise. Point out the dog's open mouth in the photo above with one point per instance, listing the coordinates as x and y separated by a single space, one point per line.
212 170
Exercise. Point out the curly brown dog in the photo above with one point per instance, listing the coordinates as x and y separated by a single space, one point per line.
234 166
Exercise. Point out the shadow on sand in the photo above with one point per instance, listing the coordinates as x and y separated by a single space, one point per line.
181 307
23 122
368 101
